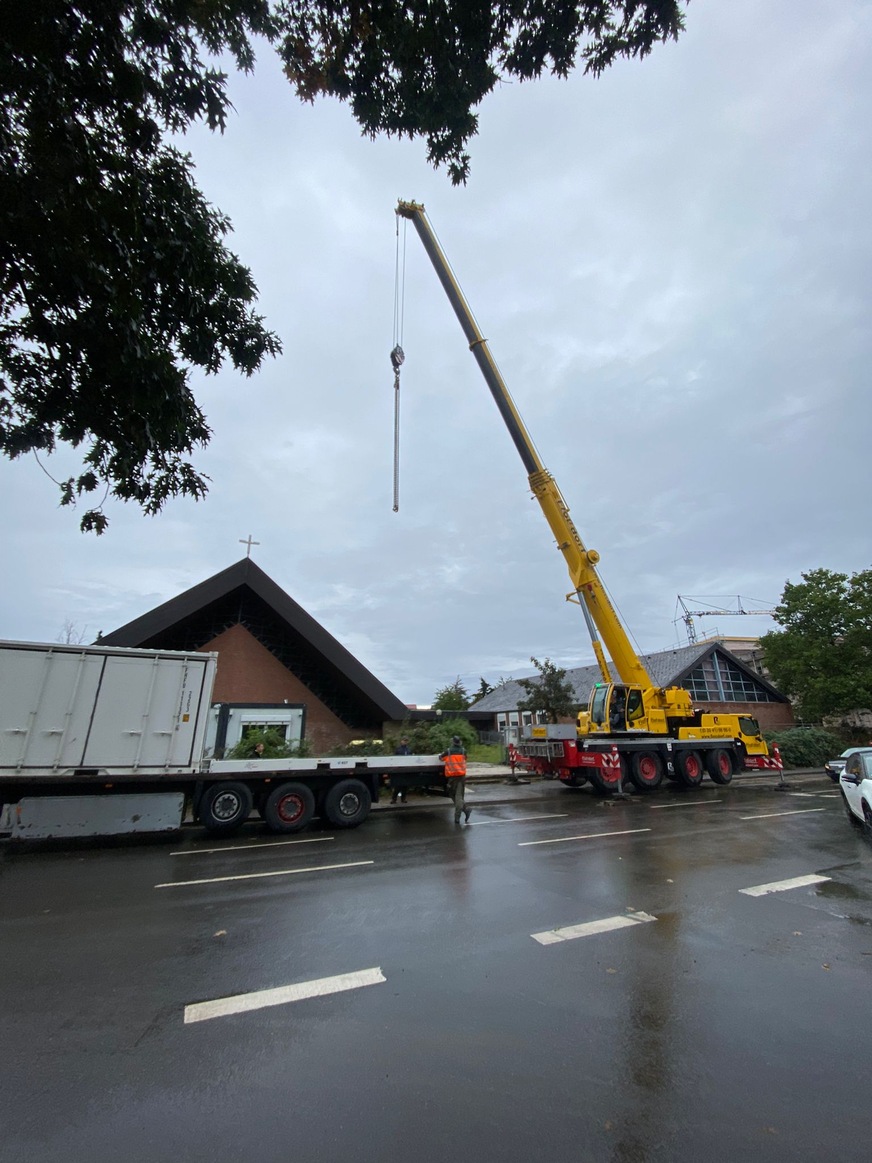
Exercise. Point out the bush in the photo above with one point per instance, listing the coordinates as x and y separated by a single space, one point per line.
365 747
440 734
275 746
806 746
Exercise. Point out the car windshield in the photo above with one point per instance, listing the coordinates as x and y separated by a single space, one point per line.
866 759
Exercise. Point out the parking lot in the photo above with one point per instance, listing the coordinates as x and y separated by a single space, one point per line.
674 977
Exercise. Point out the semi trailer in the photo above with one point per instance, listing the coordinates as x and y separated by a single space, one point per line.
98 740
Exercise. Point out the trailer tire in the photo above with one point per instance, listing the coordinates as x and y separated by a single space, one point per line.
288 808
347 804
224 807
646 770
689 768
719 765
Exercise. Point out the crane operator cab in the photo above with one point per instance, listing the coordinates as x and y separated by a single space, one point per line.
613 708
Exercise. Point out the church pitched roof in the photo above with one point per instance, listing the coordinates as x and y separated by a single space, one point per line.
244 595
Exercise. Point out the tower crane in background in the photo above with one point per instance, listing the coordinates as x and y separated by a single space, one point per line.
721 610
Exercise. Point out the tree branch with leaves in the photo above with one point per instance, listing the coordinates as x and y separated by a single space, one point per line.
116 281
551 693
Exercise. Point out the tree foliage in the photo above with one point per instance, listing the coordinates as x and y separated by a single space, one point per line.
451 698
421 68
822 656
275 746
115 279
484 688
440 734
551 692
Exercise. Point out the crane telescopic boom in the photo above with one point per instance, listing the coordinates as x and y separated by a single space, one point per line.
603 623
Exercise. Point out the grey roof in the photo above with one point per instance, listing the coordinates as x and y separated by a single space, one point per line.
244 595
666 667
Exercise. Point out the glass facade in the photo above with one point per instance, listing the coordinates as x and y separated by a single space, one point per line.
716 680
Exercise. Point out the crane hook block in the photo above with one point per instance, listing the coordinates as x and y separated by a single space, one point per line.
397 357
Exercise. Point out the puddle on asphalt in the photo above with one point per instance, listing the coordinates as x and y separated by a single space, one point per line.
832 888
834 891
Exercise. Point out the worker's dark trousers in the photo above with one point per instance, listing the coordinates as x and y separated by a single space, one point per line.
457 788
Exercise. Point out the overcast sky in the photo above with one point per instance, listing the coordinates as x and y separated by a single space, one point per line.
672 267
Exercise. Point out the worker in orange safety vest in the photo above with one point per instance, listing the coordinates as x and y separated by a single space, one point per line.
454 758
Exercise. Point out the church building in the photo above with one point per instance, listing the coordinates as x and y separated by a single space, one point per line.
277 667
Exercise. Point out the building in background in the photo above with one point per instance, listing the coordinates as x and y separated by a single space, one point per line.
719 681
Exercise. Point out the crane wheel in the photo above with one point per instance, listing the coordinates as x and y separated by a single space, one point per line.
719 765
646 770
689 768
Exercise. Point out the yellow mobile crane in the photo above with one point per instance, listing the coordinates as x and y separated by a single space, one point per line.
631 727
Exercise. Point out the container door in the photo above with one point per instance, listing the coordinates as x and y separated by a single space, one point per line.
46 701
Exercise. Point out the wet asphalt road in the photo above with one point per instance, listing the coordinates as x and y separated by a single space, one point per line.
729 1026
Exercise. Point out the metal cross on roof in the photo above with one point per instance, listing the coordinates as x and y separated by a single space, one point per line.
248 542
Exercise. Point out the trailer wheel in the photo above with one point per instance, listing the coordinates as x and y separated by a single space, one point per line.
688 766
224 807
646 770
347 804
289 808
719 765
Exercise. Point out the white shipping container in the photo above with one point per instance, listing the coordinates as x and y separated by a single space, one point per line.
67 710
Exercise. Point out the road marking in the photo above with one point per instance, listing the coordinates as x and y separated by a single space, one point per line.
261 875
770 815
783 885
589 928
516 819
589 836
691 804
242 1003
243 847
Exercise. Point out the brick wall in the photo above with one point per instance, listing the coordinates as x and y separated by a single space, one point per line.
770 716
249 673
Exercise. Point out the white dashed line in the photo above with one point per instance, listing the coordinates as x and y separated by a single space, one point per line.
690 804
517 819
590 928
783 885
771 815
589 836
244 847
245 1002
262 875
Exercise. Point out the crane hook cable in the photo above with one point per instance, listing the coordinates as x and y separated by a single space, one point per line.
397 355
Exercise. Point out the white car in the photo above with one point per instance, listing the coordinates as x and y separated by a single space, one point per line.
856 786
835 767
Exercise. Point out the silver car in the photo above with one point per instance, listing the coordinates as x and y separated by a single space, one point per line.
855 783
